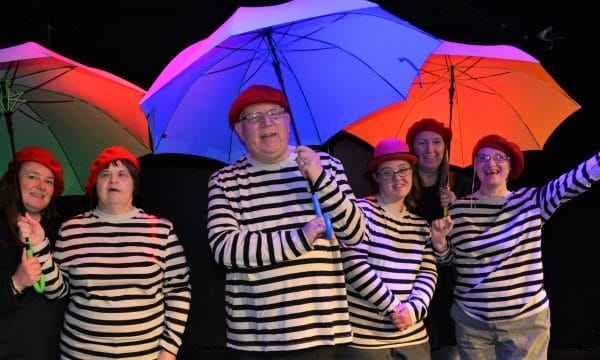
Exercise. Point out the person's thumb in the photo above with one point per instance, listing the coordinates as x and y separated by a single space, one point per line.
24 254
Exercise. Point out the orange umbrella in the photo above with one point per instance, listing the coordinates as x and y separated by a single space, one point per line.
476 90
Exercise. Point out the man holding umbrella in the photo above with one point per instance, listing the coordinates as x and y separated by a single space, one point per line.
285 287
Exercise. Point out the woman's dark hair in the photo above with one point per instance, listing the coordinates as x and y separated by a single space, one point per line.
11 206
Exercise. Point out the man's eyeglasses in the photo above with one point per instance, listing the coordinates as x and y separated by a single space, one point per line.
388 174
498 158
255 118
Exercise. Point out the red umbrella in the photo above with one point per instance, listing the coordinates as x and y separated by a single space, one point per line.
71 109
476 90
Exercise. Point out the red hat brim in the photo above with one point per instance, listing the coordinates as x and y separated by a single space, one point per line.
105 157
256 94
517 159
44 157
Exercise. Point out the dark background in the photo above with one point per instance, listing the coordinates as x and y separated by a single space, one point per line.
136 39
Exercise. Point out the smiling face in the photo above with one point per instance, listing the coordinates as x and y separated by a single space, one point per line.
492 167
429 146
115 188
394 178
266 141
37 187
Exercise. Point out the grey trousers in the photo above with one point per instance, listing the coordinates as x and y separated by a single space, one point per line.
413 352
526 338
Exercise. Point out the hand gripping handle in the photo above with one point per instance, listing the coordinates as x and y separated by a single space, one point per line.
328 228
40 285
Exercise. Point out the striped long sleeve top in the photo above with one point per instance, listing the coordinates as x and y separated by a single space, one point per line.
128 285
496 246
281 292
393 264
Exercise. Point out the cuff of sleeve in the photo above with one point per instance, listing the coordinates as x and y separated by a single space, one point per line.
14 286
319 183
39 247
393 307
304 240
442 254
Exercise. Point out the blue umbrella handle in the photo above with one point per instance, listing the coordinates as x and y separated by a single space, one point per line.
328 228
40 285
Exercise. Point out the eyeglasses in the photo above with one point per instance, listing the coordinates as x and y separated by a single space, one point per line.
388 174
498 158
255 118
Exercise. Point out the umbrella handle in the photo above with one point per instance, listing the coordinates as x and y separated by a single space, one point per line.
328 228
40 285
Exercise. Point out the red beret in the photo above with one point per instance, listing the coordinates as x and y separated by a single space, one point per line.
517 160
105 157
44 157
256 94
429 125
390 149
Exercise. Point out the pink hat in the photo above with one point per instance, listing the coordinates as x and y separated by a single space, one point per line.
105 157
390 149
44 157
517 160
256 94
428 125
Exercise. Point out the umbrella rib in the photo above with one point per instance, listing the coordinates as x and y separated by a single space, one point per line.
51 131
367 66
285 29
66 69
73 99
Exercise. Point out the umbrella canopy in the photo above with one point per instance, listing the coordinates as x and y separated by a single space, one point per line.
336 60
71 109
476 90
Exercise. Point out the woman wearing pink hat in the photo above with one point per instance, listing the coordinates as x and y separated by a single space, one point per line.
124 271
501 309
391 275
29 323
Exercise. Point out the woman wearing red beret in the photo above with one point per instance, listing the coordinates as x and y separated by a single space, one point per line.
501 309
124 271
29 323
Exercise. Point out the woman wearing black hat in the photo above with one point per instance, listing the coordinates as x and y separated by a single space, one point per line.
29 323
501 309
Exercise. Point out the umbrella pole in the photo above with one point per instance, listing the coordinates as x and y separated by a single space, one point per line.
11 133
277 67
445 176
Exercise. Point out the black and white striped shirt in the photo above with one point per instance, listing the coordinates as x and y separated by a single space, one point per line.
128 286
393 264
281 293
497 249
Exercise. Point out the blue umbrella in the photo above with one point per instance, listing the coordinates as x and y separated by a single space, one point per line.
336 60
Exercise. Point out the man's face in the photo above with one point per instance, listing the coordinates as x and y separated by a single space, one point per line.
265 131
